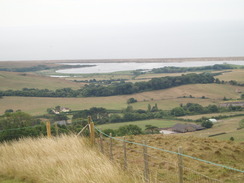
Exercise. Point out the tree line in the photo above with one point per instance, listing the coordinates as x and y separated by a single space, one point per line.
122 88
194 69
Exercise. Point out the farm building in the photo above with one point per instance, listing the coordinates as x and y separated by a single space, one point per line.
181 128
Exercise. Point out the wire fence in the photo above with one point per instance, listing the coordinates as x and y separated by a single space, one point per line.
161 165
153 164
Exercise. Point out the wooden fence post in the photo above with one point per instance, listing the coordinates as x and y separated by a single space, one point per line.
146 168
48 127
180 165
56 129
111 147
92 131
125 157
101 143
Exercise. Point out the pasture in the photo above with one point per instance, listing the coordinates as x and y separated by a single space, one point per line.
160 123
228 125
237 75
17 81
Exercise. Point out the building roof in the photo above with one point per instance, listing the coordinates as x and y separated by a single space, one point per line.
183 128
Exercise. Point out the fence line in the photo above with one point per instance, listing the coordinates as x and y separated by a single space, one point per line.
172 152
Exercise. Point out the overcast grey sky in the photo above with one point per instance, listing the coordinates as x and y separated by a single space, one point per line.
100 29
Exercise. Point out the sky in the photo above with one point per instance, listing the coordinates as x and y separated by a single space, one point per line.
116 29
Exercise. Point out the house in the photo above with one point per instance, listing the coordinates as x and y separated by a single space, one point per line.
64 109
212 120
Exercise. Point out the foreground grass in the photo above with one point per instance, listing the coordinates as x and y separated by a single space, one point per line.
67 159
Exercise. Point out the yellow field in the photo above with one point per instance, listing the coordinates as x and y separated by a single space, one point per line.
166 99
15 81
237 75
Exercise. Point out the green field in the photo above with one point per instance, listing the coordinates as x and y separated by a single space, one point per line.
160 123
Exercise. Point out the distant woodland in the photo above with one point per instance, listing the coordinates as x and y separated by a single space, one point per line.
121 88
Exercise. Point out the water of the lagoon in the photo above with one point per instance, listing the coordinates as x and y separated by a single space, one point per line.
129 66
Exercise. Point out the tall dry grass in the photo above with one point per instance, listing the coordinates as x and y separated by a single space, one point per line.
66 159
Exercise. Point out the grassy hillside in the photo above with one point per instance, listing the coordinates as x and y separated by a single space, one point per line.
15 81
163 165
66 159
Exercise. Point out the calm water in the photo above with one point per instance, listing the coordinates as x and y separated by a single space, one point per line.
129 66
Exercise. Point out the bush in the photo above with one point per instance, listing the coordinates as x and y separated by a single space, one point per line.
241 124
129 130
207 124
131 100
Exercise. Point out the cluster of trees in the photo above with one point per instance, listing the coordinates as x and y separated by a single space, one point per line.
125 130
192 108
34 92
15 125
193 69
121 88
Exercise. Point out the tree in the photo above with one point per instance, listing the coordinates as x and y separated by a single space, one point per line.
9 110
149 107
242 96
129 130
154 108
151 128
50 111
232 138
207 124
113 118
108 131
57 108
129 108
178 111
131 100
241 123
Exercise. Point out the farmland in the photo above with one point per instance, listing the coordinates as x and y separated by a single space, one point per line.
218 149
15 81
166 99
